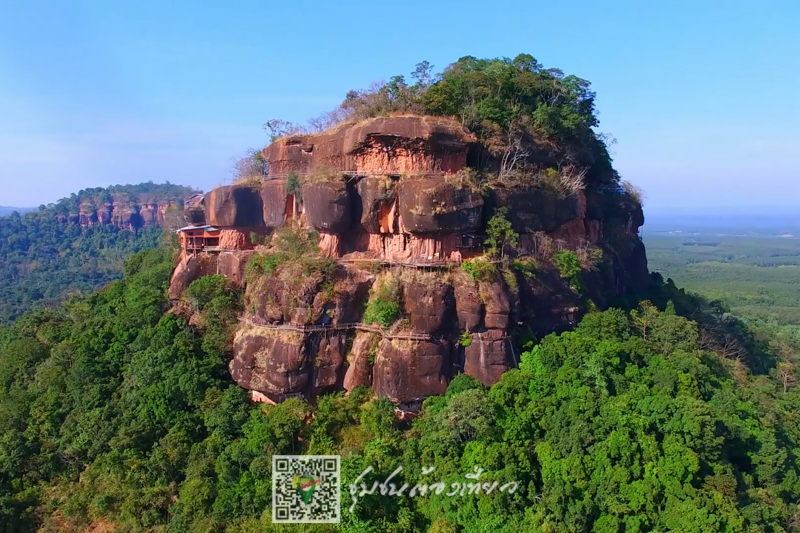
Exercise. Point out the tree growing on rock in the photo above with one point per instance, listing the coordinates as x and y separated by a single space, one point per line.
499 234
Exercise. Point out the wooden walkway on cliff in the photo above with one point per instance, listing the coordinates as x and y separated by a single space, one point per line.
359 326
408 264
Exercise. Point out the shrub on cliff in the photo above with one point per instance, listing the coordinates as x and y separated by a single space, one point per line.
569 267
203 290
499 234
479 270
289 244
383 306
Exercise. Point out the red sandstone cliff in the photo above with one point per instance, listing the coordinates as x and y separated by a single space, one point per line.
381 146
386 190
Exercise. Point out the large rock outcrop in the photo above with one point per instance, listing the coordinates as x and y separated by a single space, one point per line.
387 203
487 357
270 361
377 196
375 146
532 210
234 206
328 206
436 205
408 371
273 200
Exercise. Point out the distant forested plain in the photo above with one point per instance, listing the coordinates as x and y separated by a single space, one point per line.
755 276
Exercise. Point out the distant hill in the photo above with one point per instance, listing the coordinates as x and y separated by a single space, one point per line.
6 210
49 253
125 206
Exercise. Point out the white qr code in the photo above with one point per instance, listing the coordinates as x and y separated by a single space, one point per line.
305 489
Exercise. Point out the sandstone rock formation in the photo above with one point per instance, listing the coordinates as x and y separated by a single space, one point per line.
433 205
407 371
328 206
386 201
380 146
235 206
273 200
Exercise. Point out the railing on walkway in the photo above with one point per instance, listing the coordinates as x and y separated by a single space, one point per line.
313 328
359 326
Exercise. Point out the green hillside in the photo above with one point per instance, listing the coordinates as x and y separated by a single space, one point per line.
43 260
115 412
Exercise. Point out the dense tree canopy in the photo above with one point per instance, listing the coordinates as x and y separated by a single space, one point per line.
44 259
111 410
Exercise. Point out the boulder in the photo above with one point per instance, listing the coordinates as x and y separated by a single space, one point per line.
234 206
273 199
487 357
236 239
270 361
429 304
409 371
327 206
433 205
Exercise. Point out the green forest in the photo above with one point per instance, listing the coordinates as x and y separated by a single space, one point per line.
638 420
756 277
43 260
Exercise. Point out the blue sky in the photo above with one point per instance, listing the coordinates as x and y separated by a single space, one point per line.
701 96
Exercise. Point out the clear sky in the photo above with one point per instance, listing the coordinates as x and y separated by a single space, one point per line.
701 95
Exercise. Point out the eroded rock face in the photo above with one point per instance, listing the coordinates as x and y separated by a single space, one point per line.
434 205
378 145
269 361
377 204
409 371
359 370
429 304
496 304
233 265
125 211
234 205
469 307
328 362
273 199
531 210
289 296
328 206
487 357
